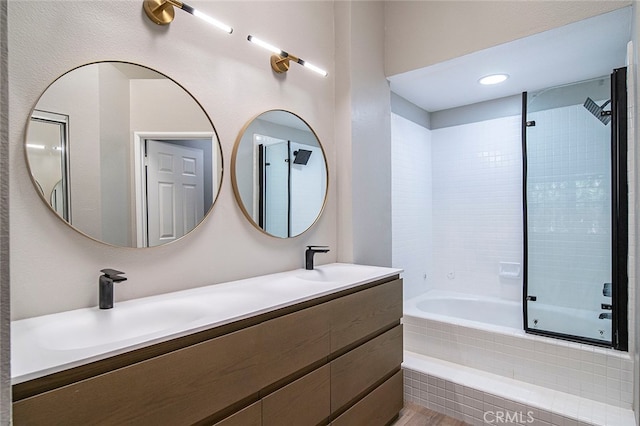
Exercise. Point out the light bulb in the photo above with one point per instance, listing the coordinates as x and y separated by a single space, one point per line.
493 79
265 45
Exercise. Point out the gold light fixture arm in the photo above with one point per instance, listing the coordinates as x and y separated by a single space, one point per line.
280 63
162 13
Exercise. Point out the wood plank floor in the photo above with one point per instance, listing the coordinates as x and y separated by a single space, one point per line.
416 415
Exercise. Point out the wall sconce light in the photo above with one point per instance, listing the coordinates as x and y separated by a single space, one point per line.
161 12
280 59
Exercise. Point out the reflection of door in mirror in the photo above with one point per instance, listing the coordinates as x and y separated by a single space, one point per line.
175 184
175 190
290 185
48 153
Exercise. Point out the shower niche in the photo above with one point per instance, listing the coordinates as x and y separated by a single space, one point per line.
574 141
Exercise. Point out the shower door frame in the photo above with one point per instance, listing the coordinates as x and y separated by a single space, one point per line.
619 220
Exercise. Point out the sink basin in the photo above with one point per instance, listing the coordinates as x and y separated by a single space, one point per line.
336 273
96 327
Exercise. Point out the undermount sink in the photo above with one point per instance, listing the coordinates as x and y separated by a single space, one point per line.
97 327
334 273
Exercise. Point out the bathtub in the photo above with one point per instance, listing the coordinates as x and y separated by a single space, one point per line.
506 315
466 309
487 334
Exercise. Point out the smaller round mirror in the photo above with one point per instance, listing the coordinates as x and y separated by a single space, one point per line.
123 154
279 174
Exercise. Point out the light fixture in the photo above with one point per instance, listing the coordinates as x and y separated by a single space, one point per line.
493 79
35 146
161 12
280 59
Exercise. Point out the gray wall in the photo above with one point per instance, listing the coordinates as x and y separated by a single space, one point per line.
636 285
363 131
5 353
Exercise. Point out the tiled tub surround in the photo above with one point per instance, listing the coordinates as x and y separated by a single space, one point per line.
464 369
587 371
481 398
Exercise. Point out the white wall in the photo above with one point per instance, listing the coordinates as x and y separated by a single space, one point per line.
115 188
412 204
53 268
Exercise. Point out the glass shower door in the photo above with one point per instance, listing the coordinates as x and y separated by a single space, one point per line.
568 211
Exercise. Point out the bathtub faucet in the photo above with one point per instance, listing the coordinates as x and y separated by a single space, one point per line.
308 255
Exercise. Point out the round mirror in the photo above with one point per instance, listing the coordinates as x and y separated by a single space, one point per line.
123 154
279 174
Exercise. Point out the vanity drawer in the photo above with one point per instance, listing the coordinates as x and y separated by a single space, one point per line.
249 416
355 372
305 401
361 314
181 387
294 341
377 408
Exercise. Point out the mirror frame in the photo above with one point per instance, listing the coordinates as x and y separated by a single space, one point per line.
42 196
234 180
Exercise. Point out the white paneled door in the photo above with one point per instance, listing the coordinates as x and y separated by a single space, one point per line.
175 190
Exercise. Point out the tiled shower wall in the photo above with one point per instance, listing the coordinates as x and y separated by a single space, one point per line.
411 192
477 199
457 206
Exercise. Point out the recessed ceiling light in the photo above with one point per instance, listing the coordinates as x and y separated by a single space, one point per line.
493 79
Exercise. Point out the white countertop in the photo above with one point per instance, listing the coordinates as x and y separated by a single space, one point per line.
52 343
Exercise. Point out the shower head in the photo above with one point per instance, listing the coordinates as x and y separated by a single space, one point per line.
301 156
598 111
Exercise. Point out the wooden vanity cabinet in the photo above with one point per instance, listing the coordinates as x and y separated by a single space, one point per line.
249 416
181 387
334 360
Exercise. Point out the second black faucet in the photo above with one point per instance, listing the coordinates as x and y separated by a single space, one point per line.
308 255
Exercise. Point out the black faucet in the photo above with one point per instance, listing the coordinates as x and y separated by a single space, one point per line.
105 284
308 255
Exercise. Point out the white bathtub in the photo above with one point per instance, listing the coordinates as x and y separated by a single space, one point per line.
466 309
486 312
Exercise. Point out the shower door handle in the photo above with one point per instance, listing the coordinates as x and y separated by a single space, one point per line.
531 298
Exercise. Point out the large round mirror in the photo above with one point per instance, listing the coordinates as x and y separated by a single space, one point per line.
279 174
124 154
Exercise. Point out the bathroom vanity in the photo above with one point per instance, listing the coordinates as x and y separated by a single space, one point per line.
301 347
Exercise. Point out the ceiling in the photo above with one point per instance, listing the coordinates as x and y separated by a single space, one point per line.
575 52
